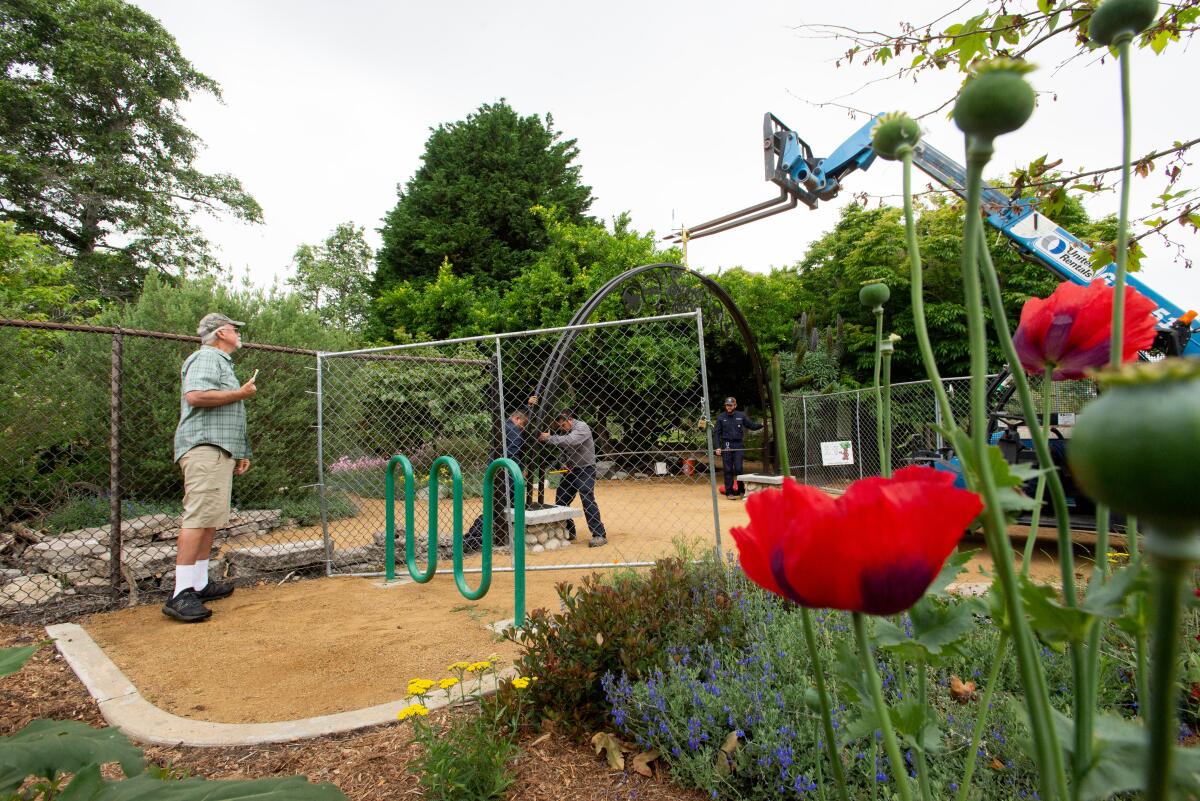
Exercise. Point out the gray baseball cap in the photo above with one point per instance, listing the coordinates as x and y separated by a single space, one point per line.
211 322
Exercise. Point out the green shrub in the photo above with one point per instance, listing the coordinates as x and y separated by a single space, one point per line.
618 625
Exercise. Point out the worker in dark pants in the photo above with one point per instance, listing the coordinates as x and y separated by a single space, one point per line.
730 435
579 453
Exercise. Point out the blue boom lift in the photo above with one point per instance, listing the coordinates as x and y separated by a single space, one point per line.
789 163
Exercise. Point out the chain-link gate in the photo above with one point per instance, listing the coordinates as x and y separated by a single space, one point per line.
834 436
89 495
639 385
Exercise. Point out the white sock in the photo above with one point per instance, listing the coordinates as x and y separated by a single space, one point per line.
200 577
183 578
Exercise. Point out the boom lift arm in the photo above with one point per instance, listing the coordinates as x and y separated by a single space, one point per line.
789 163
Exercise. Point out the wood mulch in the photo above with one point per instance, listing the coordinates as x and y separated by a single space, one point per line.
371 765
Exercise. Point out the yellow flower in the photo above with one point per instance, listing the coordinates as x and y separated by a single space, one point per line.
446 684
475 667
520 682
459 666
410 711
419 686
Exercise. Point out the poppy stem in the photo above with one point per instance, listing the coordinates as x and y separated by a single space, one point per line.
1062 515
879 437
916 276
1035 519
985 706
1041 444
1169 573
810 635
832 747
881 710
1141 640
1049 756
1118 308
923 703
885 415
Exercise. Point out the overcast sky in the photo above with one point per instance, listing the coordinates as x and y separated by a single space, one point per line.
327 108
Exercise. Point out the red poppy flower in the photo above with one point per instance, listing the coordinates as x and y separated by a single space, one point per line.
1071 331
876 549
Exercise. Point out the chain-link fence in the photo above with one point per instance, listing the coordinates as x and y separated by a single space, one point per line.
638 385
89 495
833 438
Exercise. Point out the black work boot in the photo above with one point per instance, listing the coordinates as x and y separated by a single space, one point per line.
186 607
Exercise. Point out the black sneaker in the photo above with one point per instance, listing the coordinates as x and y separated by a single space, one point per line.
215 591
187 608
598 542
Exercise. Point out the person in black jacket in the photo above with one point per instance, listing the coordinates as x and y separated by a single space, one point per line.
730 432
514 447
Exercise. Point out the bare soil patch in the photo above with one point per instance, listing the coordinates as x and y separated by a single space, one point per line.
304 648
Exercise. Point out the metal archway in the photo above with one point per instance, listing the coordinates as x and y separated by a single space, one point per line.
548 381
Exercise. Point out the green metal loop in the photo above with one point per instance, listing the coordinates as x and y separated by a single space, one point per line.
389 541
489 491
410 555
517 541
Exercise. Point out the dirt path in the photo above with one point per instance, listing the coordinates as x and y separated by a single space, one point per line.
316 647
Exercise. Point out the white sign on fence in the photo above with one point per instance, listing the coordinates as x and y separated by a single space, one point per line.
835 453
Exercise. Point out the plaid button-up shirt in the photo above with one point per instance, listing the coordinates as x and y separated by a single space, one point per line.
223 426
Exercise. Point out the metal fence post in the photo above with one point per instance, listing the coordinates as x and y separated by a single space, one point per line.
324 503
712 465
937 419
114 466
858 430
804 432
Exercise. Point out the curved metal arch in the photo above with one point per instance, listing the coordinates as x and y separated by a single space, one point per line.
548 381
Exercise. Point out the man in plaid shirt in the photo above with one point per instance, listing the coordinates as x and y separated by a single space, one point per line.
211 447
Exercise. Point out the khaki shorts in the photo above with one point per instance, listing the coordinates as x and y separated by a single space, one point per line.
207 486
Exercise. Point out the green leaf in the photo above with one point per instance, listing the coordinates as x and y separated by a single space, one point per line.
13 659
1044 6
1119 752
1010 478
917 725
1133 262
956 563
1160 40
1110 598
938 627
1102 255
848 668
1055 624
997 607
91 787
50 747
919 58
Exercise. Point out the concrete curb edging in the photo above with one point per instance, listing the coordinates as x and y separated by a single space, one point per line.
124 707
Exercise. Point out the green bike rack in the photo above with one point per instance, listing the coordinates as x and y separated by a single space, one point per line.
410 557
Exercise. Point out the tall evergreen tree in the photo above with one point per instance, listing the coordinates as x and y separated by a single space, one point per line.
470 202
